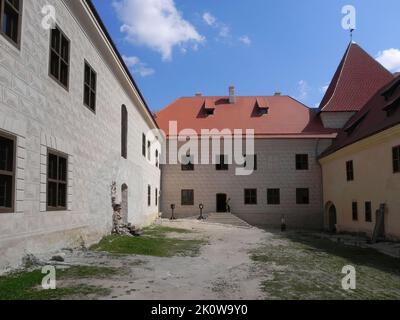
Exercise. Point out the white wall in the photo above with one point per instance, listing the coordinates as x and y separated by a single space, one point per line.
335 120
42 114
276 169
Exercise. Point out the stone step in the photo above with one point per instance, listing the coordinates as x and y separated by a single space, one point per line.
226 218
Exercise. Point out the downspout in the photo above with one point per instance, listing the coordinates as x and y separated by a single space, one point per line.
322 183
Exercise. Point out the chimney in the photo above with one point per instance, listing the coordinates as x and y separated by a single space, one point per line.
277 94
198 94
232 98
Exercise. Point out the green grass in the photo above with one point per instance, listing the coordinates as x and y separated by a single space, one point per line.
27 285
305 267
162 231
152 243
86 272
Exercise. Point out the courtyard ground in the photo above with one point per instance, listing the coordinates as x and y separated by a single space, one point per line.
187 259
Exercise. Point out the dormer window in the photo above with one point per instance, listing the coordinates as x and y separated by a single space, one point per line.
208 107
263 111
392 106
260 108
350 129
209 112
391 90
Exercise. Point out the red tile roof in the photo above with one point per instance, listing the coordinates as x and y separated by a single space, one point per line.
284 116
372 118
358 77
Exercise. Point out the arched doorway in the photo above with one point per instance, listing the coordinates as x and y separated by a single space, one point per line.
124 203
331 217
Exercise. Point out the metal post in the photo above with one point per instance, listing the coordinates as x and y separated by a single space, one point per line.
283 224
201 207
172 209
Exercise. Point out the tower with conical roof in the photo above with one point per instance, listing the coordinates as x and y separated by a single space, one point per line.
357 79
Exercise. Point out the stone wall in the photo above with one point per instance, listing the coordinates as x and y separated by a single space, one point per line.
42 115
276 161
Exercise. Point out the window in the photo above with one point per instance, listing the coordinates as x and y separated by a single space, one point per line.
392 108
149 195
143 145
350 170
222 163
187 198
273 196
157 160
368 211
187 163
156 197
59 57
301 161
255 161
396 159
56 181
124 132
302 196
148 150
209 112
10 19
250 196
355 211
7 173
89 87
262 111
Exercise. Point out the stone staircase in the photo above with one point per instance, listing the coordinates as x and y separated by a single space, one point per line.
227 219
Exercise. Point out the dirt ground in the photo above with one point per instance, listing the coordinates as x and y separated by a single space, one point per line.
237 263
223 270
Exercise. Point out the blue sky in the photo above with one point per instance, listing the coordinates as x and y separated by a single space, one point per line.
179 47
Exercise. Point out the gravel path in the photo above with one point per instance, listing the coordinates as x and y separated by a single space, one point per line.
247 263
223 270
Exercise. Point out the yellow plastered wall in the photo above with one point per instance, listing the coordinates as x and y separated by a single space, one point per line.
374 180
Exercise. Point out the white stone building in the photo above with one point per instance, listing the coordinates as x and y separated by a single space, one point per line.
287 179
71 122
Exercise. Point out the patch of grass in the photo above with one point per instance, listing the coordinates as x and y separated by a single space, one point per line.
159 231
304 267
86 272
149 246
153 242
27 285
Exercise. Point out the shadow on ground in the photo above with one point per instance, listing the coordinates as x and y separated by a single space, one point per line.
300 265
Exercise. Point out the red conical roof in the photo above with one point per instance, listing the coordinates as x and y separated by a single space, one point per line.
357 79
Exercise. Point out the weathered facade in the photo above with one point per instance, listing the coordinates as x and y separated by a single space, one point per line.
61 150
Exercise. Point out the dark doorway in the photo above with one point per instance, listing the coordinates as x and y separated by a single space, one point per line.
332 218
221 202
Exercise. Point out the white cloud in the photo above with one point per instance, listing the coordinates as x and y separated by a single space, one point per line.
156 24
138 67
303 89
245 40
224 32
324 89
390 59
209 19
